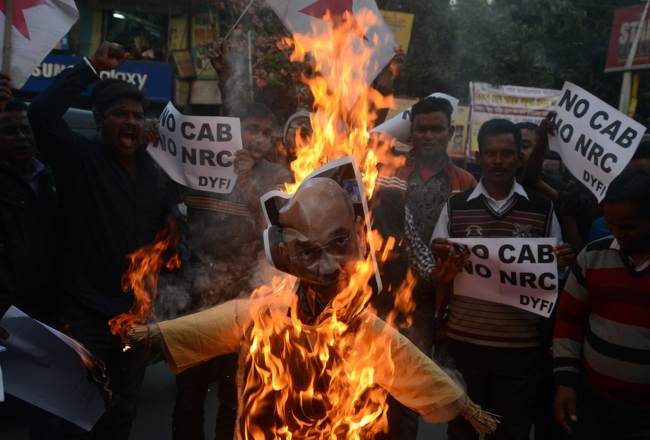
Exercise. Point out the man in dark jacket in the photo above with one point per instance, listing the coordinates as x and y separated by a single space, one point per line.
115 199
27 220
29 242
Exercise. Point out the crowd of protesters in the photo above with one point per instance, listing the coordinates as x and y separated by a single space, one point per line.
73 208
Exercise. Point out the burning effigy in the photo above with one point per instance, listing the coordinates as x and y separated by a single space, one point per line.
314 360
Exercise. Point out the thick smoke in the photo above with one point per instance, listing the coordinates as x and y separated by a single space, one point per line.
237 90
203 284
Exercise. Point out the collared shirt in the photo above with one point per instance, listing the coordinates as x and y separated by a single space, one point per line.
497 205
442 227
417 217
638 267
426 196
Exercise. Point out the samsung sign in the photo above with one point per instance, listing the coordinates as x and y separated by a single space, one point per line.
154 79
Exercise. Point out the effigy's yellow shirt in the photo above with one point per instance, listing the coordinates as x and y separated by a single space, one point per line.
416 381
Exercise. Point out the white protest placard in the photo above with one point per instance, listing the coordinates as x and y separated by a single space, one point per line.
198 151
44 367
399 126
520 272
595 140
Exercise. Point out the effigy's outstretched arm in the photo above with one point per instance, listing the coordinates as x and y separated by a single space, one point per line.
194 339
419 383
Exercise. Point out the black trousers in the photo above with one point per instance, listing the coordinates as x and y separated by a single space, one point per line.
545 426
601 418
502 381
125 370
191 390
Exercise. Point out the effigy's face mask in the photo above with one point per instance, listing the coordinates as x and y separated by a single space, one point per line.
322 257
319 234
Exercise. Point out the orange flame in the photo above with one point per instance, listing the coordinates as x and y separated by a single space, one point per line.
344 110
141 279
318 381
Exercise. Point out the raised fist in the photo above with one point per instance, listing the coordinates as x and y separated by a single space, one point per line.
109 56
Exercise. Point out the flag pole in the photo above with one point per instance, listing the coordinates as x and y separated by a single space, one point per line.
239 19
6 42
6 49
624 100
234 26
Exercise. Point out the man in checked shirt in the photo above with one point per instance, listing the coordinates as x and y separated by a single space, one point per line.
407 205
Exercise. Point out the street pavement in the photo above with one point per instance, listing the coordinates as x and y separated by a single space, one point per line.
155 412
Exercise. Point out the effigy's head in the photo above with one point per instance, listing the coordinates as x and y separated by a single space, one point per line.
321 236
319 233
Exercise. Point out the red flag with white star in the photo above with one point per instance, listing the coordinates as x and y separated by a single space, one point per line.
37 26
308 16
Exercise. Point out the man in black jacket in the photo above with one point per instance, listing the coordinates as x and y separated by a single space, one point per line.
115 199
27 218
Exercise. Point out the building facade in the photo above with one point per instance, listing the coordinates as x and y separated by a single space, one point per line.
166 41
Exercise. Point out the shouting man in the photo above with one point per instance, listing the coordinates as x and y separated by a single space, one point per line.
115 199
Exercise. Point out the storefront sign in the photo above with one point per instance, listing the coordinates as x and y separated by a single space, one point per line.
153 79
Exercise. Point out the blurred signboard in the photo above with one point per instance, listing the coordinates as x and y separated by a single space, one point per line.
204 32
514 103
624 26
460 121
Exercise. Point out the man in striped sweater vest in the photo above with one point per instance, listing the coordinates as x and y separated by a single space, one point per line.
496 346
601 347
